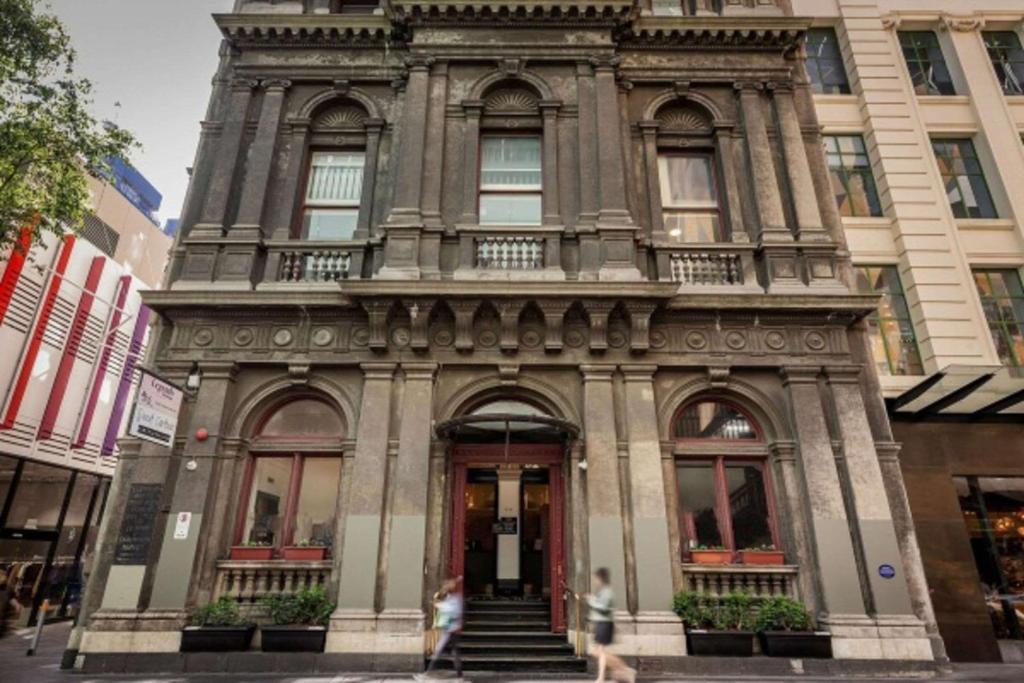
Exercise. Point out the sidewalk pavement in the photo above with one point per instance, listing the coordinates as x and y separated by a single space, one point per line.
44 667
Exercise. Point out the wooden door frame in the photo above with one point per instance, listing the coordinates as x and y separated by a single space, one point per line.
551 456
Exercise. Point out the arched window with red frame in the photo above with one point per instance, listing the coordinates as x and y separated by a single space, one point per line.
290 492
725 495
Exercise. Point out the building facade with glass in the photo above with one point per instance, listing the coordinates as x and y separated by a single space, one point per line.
922 113
513 292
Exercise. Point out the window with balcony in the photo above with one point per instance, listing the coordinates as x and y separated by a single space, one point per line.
689 197
724 492
963 178
1007 57
893 342
333 191
1002 299
510 180
926 64
852 180
825 63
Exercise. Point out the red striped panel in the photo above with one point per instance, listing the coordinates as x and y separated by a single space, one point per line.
108 348
67 359
15 263
25 373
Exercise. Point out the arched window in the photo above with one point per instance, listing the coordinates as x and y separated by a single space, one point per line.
725 498
291 482
511 158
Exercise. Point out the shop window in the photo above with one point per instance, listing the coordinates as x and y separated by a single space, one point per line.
891 330
993 510
510 180
1007 57
689 197
852 180
713 420
963 178
334 187
926 64
38 497
1002 299
825 63
7 468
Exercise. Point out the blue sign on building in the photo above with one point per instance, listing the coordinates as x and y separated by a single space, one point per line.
134 187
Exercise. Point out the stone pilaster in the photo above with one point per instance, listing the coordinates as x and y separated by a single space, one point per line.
810 227
434 147
551 213
649 133
260 161
471 162
737 231
772 221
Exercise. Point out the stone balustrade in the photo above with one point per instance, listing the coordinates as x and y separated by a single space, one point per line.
510 252
314 264
707 268
758 581
249 582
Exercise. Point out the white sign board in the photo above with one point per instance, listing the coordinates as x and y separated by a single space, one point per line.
181 525
155 414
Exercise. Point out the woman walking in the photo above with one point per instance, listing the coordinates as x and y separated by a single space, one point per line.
449 621
602 621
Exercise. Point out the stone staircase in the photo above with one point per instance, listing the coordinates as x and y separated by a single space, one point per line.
511 635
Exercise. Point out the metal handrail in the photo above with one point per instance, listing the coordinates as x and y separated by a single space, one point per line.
430 633
580 644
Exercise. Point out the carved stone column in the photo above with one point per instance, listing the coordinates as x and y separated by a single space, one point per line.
792 518
552 216
283 218
260 161
587 125
374 127
649 132
471 162
727 163
762 168
211 223
434 148
810 227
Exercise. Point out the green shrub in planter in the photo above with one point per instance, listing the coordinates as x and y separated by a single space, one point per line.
217 627
299 621
782 614
717 625
785 630
223 612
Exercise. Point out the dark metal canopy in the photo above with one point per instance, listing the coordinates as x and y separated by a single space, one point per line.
507 427
964 392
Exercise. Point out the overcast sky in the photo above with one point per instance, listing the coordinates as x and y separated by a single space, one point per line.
155 57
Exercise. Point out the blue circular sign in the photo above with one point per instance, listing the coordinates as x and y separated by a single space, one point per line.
886 571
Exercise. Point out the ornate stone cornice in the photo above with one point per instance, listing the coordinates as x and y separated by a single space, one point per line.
305 30
514 14
715 33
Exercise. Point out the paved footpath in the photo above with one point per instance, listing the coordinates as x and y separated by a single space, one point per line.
44 667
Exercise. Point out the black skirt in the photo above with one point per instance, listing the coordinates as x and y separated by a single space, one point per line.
604 632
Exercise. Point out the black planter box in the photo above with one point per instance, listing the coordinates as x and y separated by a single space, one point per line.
216 638
797 644
293 638
721 643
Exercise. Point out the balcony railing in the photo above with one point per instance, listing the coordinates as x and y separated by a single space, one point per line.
758 581
250 582
707 268
510 253
312 264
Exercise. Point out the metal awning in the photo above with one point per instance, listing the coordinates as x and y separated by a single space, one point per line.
507 427
974 392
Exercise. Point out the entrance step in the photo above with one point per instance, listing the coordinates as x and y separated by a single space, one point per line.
552 664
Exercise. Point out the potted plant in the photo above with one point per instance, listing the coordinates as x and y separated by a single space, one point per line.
786 630
763 555
710 554
298 621
717 626
305 550
252 551
217 627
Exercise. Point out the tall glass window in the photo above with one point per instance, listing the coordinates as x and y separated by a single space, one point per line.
852 180
825 63
333 191
1002 299
928 71
510 180
689 197
890 327
1007 57
963 178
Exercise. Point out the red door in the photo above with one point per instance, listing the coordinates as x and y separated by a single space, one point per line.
484 455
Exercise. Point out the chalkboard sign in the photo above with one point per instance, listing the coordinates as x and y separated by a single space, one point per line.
506 526
137 526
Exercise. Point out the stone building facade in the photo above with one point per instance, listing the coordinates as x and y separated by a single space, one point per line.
435 253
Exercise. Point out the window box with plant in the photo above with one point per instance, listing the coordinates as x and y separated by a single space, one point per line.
717 626
710 554
217 627
298 621
252 551
786 630
763 555
305 550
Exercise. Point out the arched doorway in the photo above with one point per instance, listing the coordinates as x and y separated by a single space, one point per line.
508 503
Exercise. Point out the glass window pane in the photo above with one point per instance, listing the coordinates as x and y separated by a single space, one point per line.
39 496
23 561
330 224
713 420
335 178
74 519
318 500
692 227
891 330
825 62
1002 300
748 503
303 418
510 163
698 522
853 182
510 209
962 176
264 516
688 181
7 467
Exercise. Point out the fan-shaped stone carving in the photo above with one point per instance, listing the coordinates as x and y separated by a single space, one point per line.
511 100
345 116
683 119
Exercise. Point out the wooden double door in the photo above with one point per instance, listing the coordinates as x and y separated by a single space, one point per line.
508 522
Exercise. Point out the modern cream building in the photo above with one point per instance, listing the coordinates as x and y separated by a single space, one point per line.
922 107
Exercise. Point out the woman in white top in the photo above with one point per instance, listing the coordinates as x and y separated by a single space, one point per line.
602 621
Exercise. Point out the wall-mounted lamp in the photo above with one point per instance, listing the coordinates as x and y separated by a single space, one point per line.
195 378
582 464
